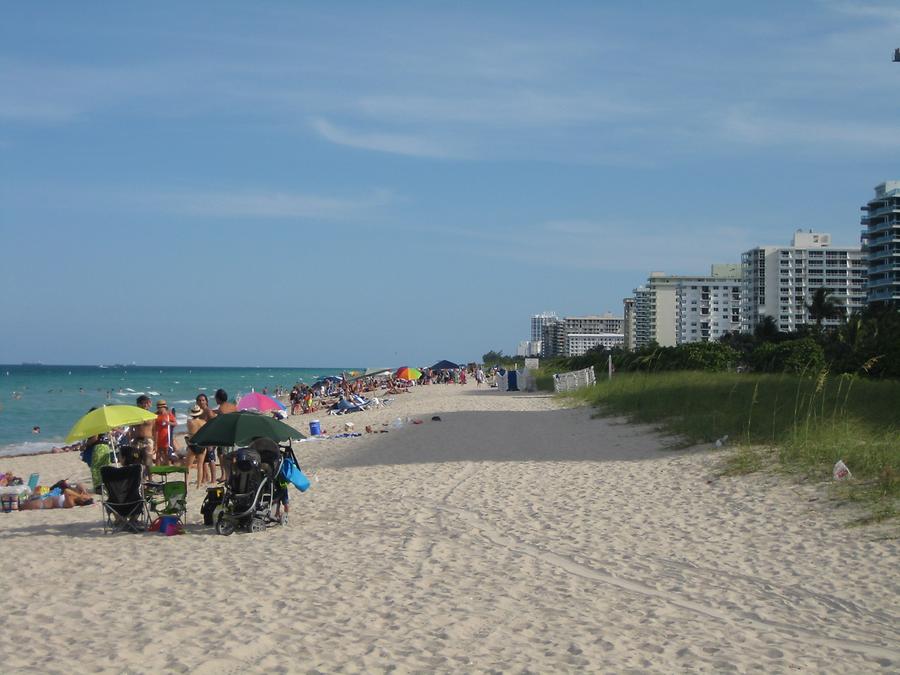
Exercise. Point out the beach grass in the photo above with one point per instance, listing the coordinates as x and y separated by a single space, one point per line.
804 424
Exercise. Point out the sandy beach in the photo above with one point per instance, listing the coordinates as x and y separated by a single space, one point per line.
511 535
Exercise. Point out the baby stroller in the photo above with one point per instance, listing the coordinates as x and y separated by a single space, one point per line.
253 488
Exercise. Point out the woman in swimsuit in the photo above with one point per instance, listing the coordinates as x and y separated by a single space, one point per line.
196 454
66 498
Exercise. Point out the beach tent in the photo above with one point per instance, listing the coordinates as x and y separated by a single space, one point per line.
445 365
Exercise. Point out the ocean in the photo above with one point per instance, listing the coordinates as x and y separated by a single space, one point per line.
55 397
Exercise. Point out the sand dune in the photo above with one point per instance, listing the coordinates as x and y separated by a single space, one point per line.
511 535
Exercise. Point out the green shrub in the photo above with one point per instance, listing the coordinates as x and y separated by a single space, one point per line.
792 356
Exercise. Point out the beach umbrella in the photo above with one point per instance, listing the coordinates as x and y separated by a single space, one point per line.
242 427
407 373
326 380
260 402
108 417
445 365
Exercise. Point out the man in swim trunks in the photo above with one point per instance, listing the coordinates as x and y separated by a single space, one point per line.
142 436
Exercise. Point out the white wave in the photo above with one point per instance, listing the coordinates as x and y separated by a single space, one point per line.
27 448
153 393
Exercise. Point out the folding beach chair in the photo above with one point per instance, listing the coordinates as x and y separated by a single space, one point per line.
122 499
168 496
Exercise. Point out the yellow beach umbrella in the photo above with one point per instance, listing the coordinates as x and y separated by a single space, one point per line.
108 417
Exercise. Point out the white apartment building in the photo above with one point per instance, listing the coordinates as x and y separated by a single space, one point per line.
574 335
538 321
529 348
606 323
676 309
881 245
579 343
779 281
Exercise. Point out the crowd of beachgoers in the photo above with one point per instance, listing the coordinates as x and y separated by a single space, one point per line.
157 442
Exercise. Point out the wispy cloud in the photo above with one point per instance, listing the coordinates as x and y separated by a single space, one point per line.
270 204
515 108
396 143
743 126
615 246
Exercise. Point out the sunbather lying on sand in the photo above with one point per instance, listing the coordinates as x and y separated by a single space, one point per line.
59 498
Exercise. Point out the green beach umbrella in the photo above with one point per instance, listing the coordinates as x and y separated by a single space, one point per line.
242 427
108 417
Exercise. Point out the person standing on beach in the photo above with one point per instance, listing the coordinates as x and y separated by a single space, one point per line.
142 436
223 407
196 454
206 414
165 423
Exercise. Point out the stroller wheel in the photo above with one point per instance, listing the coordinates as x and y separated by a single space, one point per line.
257 525
283 520
223 526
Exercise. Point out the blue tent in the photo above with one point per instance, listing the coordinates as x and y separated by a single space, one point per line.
445 365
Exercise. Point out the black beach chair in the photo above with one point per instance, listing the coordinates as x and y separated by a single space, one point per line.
122 497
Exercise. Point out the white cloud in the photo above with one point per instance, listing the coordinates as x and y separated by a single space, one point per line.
743 126
503 108
395 143
270 204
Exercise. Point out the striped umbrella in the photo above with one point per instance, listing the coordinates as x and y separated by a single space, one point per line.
407 373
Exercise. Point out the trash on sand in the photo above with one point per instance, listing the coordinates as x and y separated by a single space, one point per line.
841 472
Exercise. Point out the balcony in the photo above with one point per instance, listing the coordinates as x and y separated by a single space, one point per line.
884 267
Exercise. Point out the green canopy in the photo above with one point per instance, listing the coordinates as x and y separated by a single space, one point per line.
238 428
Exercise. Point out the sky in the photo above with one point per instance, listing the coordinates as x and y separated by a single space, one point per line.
381 184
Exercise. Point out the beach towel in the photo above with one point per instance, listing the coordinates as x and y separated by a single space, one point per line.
101 456
294 475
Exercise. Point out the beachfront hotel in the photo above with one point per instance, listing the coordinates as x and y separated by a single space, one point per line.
676 309
881 244
778 281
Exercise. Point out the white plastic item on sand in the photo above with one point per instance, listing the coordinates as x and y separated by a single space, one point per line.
841 472
398 423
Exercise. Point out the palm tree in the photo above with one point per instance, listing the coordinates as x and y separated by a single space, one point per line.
823 306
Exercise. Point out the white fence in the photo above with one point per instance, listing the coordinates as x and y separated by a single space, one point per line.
574 380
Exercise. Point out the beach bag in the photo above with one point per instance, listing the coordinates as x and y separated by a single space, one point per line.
214 497
294 475
87 455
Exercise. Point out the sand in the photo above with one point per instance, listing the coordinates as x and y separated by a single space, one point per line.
512 535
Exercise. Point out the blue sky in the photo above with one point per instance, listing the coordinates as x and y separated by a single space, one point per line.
383 183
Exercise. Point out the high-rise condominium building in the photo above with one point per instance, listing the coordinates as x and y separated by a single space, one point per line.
586 332
643 327
779 281
574 335
881 244
628 324
674 309
538 321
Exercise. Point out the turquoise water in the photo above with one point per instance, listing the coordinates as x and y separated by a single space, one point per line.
55 397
